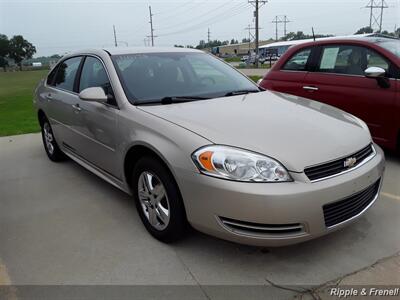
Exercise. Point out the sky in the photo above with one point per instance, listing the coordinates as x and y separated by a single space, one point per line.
60 26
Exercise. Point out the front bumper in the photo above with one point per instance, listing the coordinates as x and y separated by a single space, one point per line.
272 214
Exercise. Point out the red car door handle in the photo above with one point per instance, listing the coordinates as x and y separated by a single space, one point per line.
310 88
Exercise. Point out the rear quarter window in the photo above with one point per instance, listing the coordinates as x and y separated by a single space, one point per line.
50 77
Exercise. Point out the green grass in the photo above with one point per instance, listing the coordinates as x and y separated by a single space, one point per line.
232 59
255 78
17 114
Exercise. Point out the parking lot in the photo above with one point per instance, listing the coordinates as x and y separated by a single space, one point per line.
60 224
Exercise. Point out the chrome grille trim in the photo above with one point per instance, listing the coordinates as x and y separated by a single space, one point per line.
264 230
314 173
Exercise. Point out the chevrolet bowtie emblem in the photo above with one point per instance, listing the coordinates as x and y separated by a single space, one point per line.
350 162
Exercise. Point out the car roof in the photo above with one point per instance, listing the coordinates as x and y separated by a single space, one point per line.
131 50
369 37
136 50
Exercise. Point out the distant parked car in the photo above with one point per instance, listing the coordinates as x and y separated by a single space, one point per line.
360 75
195 141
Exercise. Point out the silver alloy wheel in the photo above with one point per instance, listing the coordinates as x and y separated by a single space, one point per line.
48 137
154 200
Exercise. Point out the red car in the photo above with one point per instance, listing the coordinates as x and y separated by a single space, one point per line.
360 75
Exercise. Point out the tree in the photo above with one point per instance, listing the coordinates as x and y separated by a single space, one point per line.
233 41
364 30
3 63
245 40
300 35
4 50
20 49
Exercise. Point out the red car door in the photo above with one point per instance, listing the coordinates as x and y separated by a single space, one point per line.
339 80
290 77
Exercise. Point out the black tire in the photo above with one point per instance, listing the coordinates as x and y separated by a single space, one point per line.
52 150
177 225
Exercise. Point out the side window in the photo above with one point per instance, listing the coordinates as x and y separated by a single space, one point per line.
343 59
94 75
298 61
66 73
376 60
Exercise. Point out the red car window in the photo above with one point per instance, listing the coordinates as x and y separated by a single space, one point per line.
298 62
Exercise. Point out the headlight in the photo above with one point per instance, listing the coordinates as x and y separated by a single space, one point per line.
240 165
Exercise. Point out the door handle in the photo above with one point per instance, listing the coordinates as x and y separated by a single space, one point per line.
310 88
49 97
76 107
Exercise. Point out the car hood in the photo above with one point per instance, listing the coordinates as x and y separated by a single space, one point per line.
296 131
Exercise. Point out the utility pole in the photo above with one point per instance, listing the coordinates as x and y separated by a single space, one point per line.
376 13
151 27
277 20
285 21
251 36
380 23
208 36
257 4
115 37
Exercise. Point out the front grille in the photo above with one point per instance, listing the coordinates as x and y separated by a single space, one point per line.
249 228
338 166
342 210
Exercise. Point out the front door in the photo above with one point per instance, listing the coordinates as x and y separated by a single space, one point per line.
290 77
97 124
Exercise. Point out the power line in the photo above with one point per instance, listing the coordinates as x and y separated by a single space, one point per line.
376 13
257 4
205 14
188 8
212 20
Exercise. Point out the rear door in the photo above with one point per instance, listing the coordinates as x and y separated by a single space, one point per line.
61 97
97 125
339 80
290 77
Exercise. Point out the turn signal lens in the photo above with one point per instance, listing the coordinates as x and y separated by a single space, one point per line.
205 160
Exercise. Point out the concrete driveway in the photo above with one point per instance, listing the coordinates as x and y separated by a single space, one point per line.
60 224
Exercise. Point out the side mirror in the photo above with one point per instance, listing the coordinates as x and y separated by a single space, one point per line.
374 72
95 94
379 74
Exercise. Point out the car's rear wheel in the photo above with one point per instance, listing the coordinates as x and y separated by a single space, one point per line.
158 200
50 144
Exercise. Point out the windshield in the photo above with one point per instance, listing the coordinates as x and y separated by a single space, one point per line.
147 77
391 45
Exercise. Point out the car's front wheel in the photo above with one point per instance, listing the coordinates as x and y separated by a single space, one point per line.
158 200
50 144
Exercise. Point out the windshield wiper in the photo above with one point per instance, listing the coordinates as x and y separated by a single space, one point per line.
180 99
171 100
241 92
